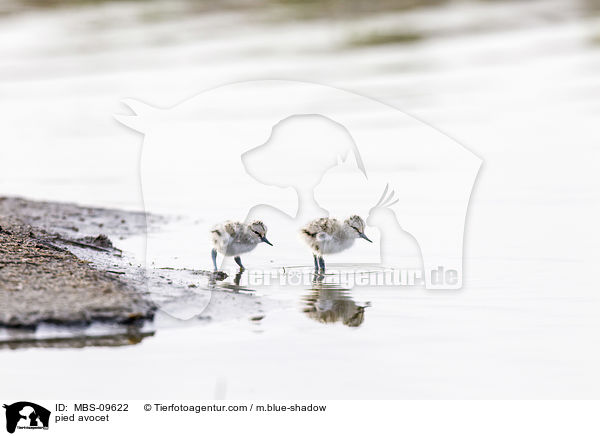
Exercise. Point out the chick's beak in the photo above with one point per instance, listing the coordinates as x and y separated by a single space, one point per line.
265 240
362 235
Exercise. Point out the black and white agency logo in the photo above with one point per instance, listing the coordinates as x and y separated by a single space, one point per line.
26 415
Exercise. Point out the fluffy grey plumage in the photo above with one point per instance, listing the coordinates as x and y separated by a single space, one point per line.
329 235
233 238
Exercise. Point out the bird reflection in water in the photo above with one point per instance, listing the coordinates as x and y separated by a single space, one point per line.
330 303
216 282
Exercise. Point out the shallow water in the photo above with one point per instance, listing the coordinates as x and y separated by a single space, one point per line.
515 82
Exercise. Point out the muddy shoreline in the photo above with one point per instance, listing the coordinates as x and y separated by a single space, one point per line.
65 282
57 266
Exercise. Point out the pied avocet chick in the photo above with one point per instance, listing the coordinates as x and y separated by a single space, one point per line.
328 235
233 238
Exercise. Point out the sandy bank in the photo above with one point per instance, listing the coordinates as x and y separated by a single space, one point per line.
42 281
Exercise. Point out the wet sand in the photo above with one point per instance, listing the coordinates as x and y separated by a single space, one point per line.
43 281
65 283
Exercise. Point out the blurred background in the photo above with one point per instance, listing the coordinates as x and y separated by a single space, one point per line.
499 76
